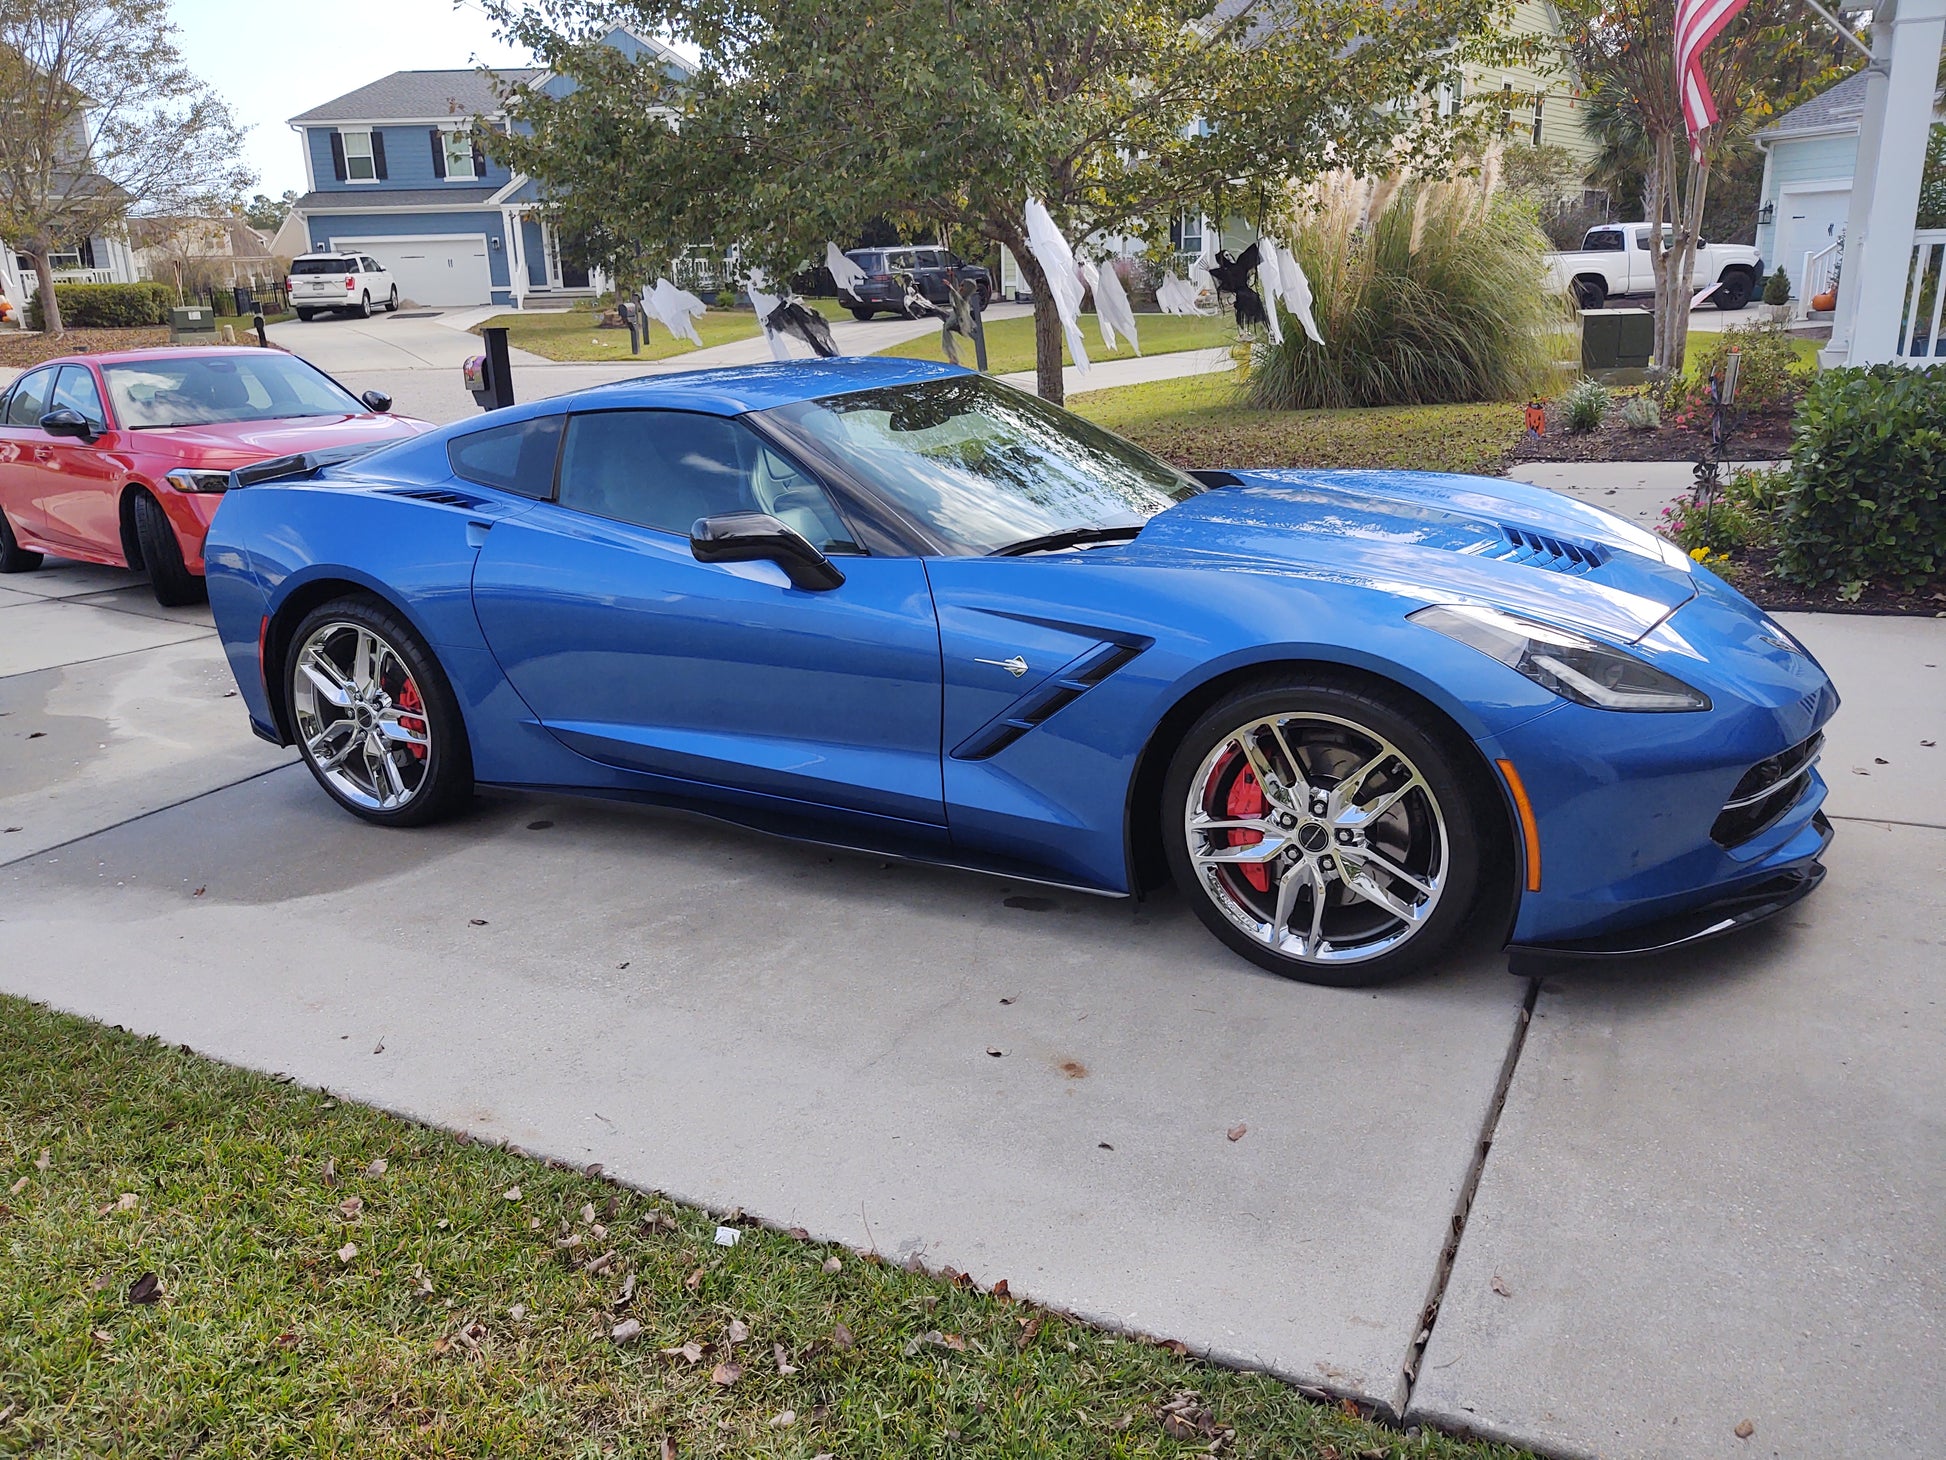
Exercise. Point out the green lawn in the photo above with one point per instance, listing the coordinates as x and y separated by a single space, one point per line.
1197 422
338 1282
573 335
1010 342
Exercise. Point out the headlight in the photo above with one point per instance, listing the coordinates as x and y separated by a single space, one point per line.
1572 666
200 481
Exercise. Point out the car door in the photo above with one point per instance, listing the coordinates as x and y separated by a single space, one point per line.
81 478
24 448
719 675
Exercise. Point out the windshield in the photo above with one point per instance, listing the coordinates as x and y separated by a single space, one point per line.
212 389
982 466
321 266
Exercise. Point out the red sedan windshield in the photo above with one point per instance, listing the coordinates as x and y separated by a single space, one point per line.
213 389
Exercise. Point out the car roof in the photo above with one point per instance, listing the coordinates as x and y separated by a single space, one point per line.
153 352
328 253
733 389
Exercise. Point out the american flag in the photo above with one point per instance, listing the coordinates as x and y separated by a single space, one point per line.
1698 22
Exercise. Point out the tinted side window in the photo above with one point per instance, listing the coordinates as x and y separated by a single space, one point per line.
660 469
517 458
77 391
29 401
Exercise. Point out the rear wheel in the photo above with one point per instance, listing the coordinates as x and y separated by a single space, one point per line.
172 583
364 309
305 316
861 314
374 716
1321 833
13 557
392 302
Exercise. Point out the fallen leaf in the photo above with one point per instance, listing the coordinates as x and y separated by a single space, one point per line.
347 1252
831 1264
627 1292
146 1289
668 1448
1175 1346
783 1420
1745 1430
1500 1286
199 892
1929 744
1880 760
626 1331
512 1193
286 1339
329 1176
1029 1329
726 1373
517 1312
43 1161
739 1331
588 1211
784 1364
102 1336
106 1280
1238 1132
592 1170
996 1053
379 1048
841 1337
443 1223
19 1186
948 1340
1103 1146
694 1280
1006 1001
350 1207
1000 1290
478 922
377 1168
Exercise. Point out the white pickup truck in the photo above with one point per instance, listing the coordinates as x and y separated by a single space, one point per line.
1613 260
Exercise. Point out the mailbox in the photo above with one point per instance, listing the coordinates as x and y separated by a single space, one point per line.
488 377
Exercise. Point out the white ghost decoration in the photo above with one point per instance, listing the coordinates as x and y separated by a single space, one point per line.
1202 270
1269 276
1296 291
844 273
1056 259
1117 315
676 308
1176 296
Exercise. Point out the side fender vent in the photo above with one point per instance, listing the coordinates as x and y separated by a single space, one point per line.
444 496
1044 700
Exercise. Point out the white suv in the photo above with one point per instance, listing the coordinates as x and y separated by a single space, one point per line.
334 281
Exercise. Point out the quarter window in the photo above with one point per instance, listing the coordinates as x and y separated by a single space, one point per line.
516 458
359 166
29 401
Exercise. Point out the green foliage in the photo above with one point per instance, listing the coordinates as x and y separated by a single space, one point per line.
1641 413
1868 469
1932 185
266 213
106 306
1777 288
1770 376
1439 299
1585 404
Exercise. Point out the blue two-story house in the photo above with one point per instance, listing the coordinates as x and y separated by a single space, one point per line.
393 172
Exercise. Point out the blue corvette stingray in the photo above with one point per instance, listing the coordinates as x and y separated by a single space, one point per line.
899 606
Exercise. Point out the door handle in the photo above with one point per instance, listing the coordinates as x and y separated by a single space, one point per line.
476 534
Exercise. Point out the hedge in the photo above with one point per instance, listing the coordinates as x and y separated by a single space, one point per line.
1868 479
106 306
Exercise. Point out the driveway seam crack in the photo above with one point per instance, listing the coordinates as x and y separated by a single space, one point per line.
1463 1206
26 857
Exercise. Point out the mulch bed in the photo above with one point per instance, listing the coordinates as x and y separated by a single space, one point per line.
20 349
1751 571
1758 438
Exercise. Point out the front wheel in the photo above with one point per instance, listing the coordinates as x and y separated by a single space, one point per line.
1321 833
1590 293
172 583
861 314
374 716
1734 292
13 557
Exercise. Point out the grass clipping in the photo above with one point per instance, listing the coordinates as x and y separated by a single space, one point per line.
1426 293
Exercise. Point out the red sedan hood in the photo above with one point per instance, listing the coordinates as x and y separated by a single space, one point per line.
225 447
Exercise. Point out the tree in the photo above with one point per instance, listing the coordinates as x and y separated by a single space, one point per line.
267 214
804 121
98 116
1624 51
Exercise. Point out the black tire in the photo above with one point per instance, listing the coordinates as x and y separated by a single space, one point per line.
13 557
861 314
1590 293
1359 716
305 316
173 584
446 784
1735 290
364 309
392 302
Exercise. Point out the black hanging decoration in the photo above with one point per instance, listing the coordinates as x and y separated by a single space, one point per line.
792 318
1233 277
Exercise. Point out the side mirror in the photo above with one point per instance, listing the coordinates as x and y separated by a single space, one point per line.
378 401
67 422
746 537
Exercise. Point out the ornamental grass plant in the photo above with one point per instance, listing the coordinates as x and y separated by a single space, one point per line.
1426 293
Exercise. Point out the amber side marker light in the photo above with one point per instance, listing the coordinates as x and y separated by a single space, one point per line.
1530 834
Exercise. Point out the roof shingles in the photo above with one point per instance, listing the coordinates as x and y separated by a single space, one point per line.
419 96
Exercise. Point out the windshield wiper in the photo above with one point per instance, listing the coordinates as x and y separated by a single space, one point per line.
1072 537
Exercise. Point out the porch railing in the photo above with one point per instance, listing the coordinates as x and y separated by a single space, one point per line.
1820 273
30 279
1924 298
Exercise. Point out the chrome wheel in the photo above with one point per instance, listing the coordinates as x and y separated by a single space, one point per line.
1317 838
361 716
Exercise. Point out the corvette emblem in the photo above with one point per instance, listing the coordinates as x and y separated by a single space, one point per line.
1015 666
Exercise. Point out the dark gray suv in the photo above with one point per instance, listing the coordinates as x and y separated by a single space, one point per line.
928 264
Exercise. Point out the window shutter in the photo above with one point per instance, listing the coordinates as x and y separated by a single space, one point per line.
378 154
479 161
438 154
337 156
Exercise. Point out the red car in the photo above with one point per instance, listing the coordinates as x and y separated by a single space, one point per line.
122 458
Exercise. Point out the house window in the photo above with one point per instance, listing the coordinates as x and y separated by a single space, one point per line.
1191 230
359 164
1451 95
1539 103
458 148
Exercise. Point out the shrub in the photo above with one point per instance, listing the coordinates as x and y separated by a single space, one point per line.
1641 413
1868 479
1769 379
104 306
1777 288
1585 406
1438 298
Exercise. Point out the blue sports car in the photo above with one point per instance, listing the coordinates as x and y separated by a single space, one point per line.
898 606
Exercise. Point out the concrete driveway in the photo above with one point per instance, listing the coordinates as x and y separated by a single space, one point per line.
1713 1193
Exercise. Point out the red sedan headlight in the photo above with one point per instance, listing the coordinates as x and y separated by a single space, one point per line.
200 481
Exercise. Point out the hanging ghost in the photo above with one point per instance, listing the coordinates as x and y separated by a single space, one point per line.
1295 291
784 314
1202 269
1112 308
676 308
1056 259
844 273
1176 296
1232 274
958 316
1270 276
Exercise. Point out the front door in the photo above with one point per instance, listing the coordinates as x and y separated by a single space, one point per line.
714 675
79 499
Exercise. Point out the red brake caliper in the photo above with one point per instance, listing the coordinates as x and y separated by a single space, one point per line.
409 700
1247 800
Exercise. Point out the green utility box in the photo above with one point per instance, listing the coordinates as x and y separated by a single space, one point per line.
1616 344
192 326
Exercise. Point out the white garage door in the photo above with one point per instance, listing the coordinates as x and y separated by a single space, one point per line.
434 271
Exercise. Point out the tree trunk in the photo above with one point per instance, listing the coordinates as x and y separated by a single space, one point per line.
1049 383
44 287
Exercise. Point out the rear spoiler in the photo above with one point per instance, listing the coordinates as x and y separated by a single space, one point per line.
304 464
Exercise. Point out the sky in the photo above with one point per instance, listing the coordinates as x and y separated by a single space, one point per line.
272 62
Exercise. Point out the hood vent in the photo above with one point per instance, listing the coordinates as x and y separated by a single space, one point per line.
1536 550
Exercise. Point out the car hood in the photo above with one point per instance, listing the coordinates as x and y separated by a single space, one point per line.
1435 538
225 447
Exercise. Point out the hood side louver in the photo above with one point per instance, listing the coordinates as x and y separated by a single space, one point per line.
1537 550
